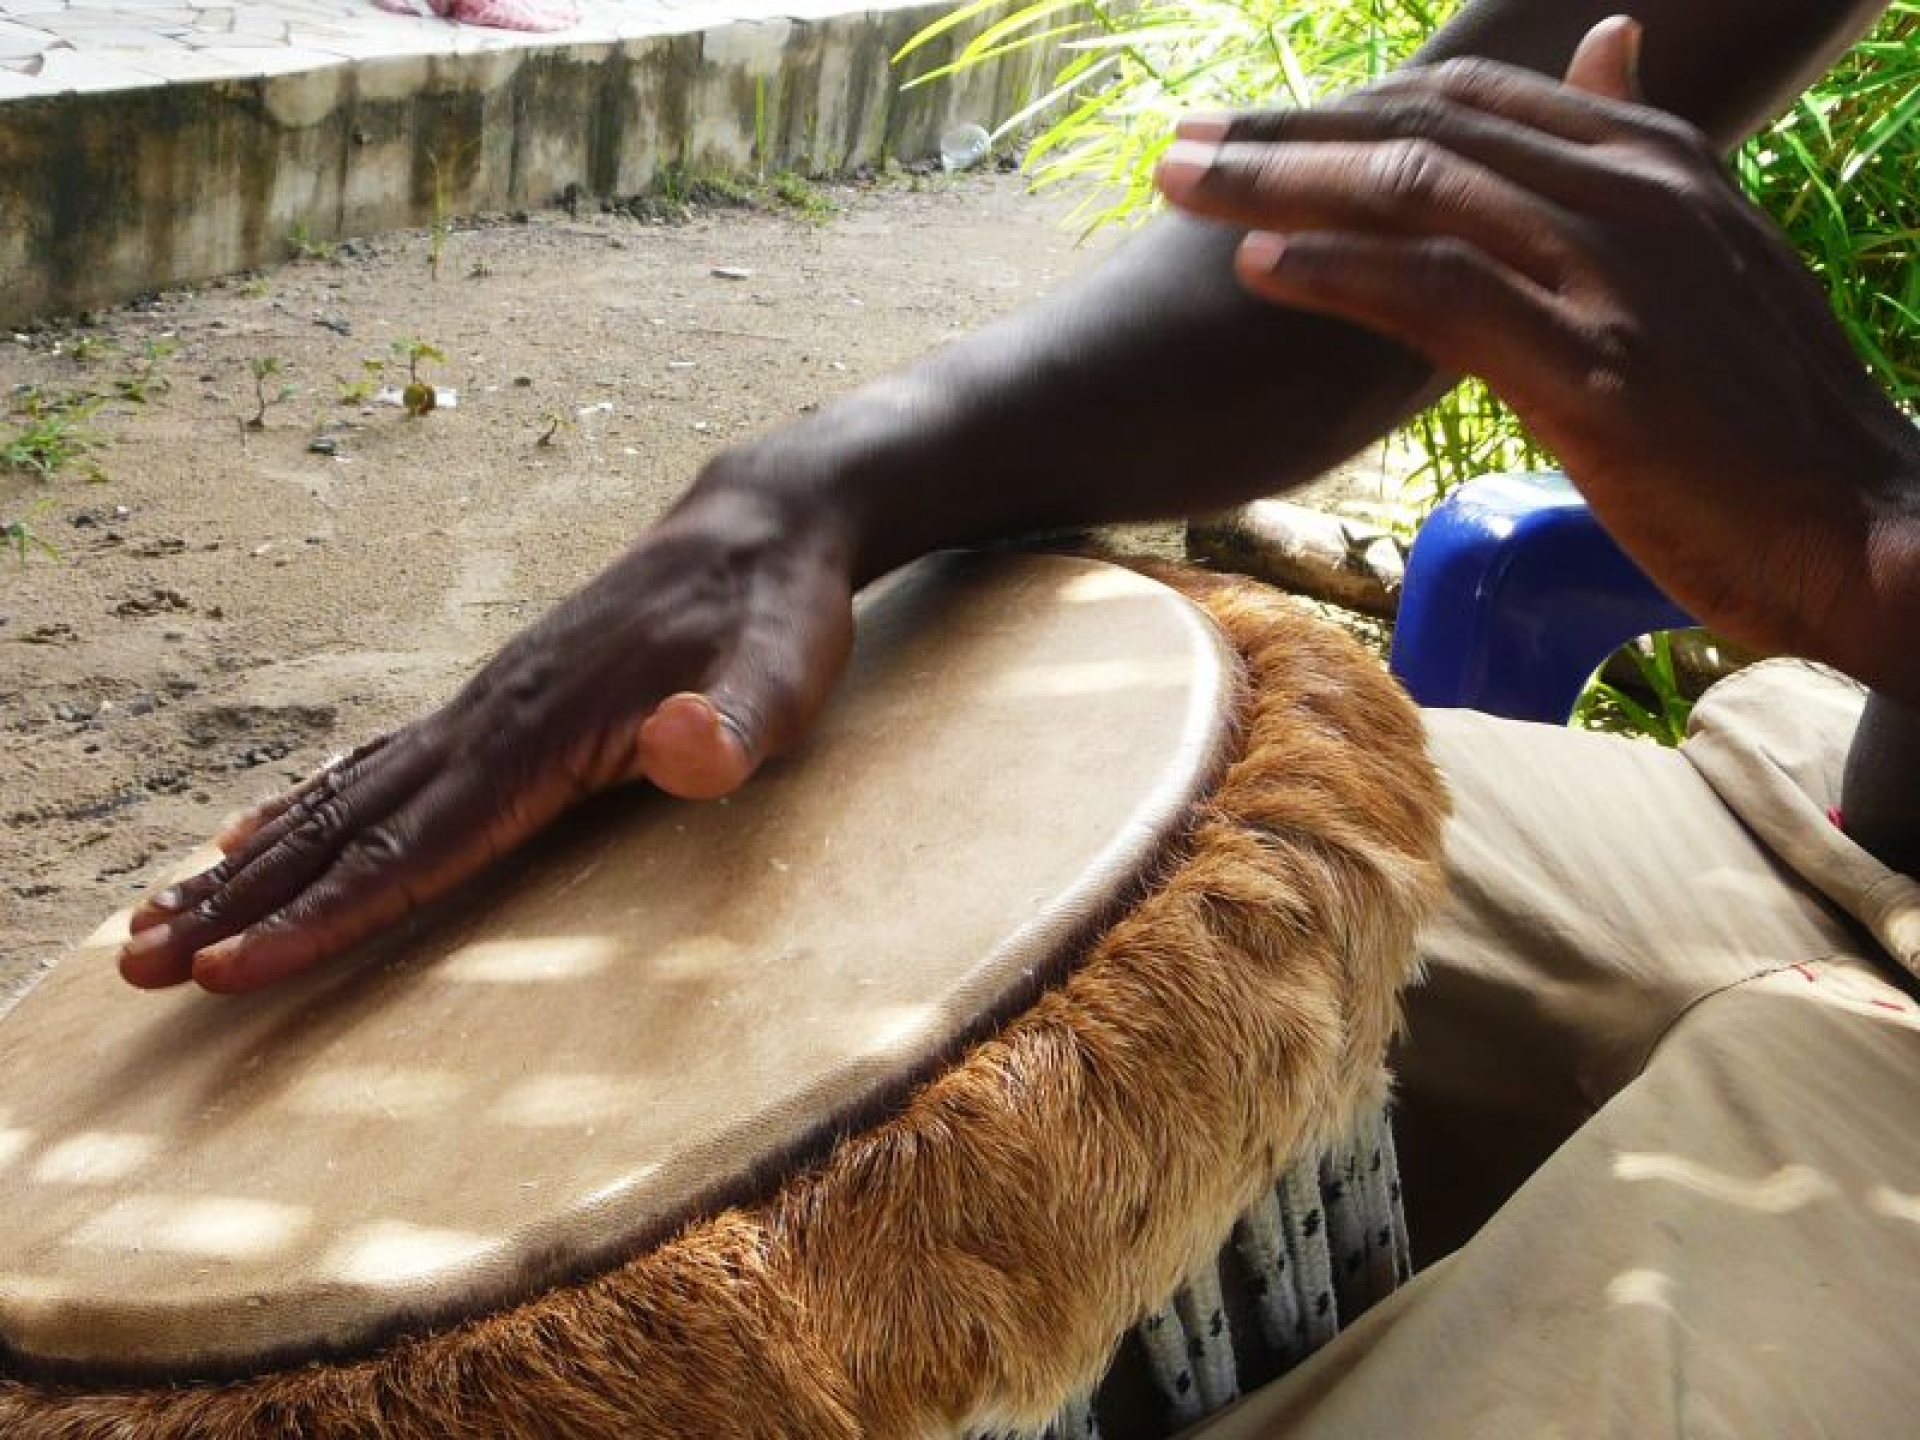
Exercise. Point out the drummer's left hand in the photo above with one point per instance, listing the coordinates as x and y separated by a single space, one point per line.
1591 259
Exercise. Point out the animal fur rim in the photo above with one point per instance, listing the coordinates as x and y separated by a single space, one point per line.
971 1262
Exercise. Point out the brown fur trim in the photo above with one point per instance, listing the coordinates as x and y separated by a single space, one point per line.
973 1261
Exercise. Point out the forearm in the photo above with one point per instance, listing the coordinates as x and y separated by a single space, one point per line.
1155 385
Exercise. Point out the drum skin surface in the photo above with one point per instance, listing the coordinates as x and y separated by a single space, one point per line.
657 1013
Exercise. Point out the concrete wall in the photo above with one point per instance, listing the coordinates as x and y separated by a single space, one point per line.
107 196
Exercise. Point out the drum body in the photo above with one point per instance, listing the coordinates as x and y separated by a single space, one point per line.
1042 1002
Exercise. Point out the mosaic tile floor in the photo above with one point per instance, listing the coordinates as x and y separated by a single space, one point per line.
48 47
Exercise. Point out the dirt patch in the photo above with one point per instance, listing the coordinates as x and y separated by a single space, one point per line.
230 605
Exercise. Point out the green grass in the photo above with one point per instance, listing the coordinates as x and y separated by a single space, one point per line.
794 192
46 436
21 538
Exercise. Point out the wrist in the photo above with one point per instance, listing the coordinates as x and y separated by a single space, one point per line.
862 477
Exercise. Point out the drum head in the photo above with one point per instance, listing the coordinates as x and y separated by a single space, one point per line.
663 1008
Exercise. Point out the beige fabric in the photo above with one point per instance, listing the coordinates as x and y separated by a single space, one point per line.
1702 1082
1772 741
655 1009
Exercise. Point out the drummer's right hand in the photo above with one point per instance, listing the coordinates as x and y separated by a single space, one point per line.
704 650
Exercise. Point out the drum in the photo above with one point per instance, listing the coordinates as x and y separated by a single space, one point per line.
1025 1029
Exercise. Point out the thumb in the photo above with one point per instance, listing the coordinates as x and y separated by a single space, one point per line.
1607 61
758 702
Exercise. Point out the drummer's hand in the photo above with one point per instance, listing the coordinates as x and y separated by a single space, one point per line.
706 649
1591 259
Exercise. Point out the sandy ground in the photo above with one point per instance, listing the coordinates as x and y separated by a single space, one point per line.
229 606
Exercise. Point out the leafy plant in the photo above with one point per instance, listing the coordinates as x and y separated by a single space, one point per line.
373 374
89 349
1127 73
1657 708
302 245
685 188
20 537
800 195
442 226
418 397
146 379
1837 172
50 435
265 369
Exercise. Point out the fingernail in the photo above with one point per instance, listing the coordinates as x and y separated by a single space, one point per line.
213 966
1207 125
1262 250
144 943
141 947
1636 33
168 899
1182 168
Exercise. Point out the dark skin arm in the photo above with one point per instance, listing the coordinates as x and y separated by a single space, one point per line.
1155 385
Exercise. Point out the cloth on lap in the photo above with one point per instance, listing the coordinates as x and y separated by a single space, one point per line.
1663 1086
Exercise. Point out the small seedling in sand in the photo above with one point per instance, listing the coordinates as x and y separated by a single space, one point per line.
89 349
51 435
442 225
373 374
795 192
146 380
419 396
266 369
301 243
552 422
19 536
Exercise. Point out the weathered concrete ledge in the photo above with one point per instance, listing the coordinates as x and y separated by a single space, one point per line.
108 195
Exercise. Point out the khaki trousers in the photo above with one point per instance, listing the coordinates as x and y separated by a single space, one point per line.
1660 1101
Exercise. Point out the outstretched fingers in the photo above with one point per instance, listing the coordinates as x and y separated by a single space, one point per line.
271 865
444 834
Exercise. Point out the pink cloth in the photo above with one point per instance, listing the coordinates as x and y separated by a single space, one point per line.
537 15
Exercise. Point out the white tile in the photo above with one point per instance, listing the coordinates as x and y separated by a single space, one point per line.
265 21
316 10
259 62
484 39
182 64
17 41
120 40
86 22
15 86
202 40
379 46
65 70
